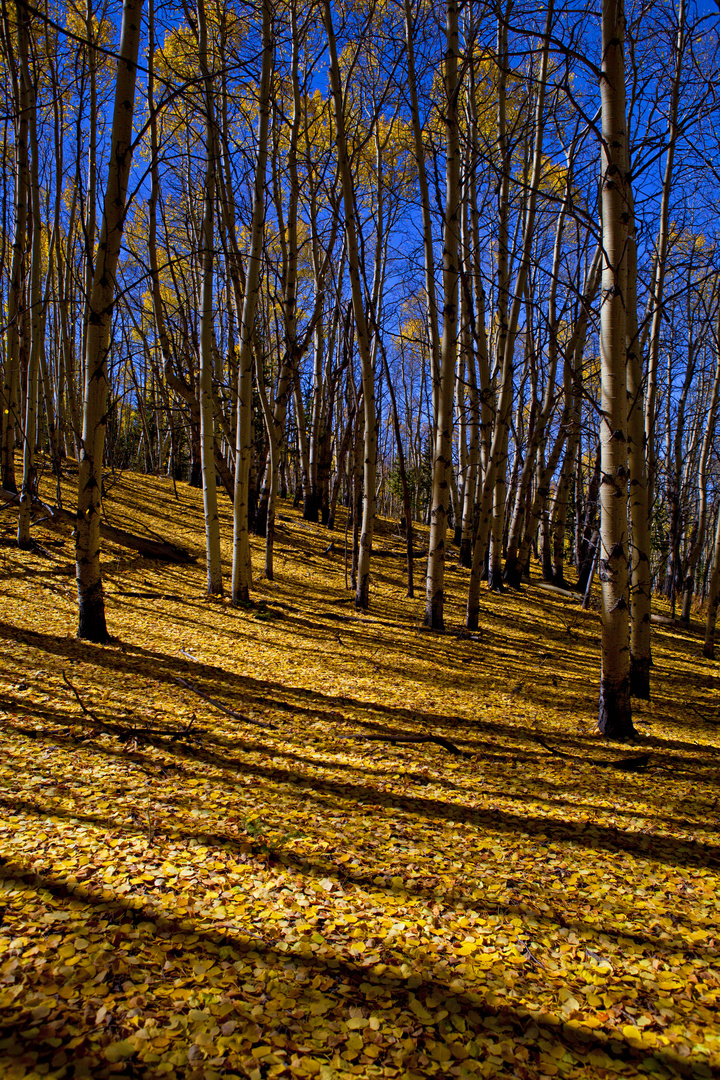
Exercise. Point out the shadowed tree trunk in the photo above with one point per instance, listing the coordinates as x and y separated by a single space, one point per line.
91 625
362 595
241 566
442 457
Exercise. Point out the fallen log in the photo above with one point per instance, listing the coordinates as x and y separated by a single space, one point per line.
151 549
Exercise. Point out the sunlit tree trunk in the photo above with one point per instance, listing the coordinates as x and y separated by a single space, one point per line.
91 601
615 719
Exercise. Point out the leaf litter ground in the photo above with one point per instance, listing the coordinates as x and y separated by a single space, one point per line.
285 892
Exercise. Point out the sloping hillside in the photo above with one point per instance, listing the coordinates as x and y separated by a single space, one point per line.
297 840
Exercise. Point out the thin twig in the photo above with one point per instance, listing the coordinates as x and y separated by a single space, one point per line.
525 948
83 706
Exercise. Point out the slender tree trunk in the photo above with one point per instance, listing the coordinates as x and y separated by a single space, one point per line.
615 718
362 597
207 412
28 99
697 546
442 456
242 567
92 624
11 418
713 599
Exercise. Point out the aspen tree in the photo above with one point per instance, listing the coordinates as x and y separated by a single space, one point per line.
713 598
11 402
660 264
701 524
640 577
442 453
615 718
362 595
241 565
91 625
29 102
492 499
207 412
424 192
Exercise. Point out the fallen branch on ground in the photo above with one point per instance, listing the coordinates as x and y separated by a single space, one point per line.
149 595
631 764
391 737
706 719
224 708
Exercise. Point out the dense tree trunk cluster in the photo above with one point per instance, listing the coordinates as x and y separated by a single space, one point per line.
464 272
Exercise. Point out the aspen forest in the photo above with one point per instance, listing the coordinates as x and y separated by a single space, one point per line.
359 539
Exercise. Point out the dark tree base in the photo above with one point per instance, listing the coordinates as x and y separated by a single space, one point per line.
311 509
434 612
513 573
495 580
615 718
261 518
91 617
465 556
640 677
362 595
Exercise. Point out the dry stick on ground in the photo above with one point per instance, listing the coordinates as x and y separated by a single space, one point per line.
631 764
392 738
144 734
707 719
86 711
150 595
224 708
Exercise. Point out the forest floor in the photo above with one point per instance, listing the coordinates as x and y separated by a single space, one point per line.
185 893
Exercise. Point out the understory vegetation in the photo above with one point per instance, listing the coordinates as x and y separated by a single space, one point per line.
300 839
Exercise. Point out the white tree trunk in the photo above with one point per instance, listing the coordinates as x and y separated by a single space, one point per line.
615 719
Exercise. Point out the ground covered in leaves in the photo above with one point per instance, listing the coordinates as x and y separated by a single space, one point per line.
286 892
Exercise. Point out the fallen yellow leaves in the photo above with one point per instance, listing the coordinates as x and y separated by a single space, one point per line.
185 895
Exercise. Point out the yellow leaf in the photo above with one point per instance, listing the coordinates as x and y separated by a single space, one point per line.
117 1051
